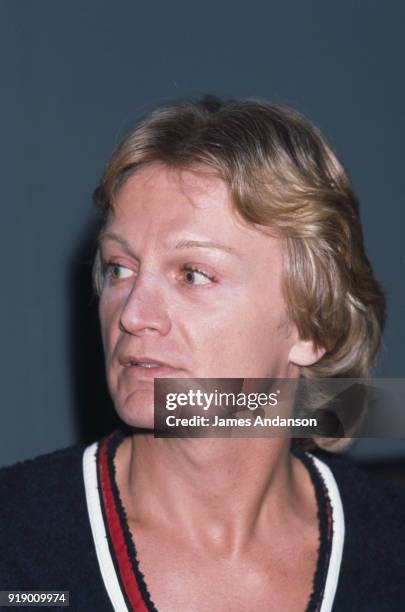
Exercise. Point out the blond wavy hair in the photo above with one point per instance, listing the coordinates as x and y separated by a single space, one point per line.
282 173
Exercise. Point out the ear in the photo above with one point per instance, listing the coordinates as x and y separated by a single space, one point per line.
304 353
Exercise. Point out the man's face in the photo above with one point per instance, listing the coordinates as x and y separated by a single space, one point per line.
190 291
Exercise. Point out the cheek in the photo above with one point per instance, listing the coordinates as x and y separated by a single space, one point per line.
243 333
217 335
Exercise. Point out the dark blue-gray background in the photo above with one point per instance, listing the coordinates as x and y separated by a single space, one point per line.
74 77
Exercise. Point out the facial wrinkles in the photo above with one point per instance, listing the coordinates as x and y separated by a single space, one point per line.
212 325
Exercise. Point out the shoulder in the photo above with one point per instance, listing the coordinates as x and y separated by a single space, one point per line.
38 494
363 495
373 566
45 536
44 466
35 484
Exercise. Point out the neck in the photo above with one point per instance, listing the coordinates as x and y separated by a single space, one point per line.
218 489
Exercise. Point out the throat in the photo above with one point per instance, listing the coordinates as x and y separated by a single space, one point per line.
282 549
217 493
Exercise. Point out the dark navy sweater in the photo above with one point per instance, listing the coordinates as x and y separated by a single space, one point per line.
46 542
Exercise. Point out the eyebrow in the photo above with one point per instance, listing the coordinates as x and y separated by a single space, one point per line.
116 238
204 244
183 244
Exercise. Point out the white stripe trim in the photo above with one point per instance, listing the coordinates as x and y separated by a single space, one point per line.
105 561
338 521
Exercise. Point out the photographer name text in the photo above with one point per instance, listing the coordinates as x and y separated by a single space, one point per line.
258 421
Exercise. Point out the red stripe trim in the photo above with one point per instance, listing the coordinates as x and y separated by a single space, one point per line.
116 534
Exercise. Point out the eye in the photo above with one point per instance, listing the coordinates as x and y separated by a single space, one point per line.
117 272
193 276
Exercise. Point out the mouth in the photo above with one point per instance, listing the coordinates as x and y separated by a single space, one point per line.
130 361
144 364
145 367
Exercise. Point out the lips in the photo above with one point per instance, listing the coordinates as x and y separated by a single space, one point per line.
141 361
145 367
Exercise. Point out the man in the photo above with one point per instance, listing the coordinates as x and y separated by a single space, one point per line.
231 248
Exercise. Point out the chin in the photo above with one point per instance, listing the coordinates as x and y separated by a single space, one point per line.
137 410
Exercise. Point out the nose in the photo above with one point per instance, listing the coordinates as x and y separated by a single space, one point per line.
145 309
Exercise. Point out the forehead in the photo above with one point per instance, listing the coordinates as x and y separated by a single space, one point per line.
161 195
158 205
